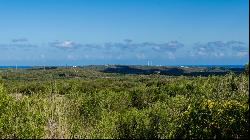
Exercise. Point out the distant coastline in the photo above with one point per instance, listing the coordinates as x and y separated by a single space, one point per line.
209 66
19 67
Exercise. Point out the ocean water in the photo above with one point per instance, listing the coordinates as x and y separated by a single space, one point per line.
19 67
225 66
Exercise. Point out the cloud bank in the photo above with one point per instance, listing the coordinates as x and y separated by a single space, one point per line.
220 49
19 40
126 50
171 46
64 44
21 43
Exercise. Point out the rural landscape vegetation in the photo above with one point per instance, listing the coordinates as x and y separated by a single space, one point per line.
124 69
90 102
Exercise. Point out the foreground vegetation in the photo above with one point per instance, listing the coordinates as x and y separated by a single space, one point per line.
87 103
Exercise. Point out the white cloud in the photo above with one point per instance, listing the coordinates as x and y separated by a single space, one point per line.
220 49
64 44
19 40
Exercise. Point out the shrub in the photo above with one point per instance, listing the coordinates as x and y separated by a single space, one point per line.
20 118
214 119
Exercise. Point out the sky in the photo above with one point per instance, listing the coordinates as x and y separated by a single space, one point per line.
93 32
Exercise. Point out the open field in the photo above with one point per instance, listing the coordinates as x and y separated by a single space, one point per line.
124 102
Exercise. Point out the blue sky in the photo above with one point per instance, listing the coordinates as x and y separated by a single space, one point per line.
83 32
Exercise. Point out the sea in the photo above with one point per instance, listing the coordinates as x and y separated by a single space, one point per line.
225 66
19 67
209 66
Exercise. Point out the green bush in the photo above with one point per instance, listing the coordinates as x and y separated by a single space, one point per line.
91 104
20 118
214 119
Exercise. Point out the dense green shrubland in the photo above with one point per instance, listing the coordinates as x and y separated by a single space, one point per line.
22 118
125 106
